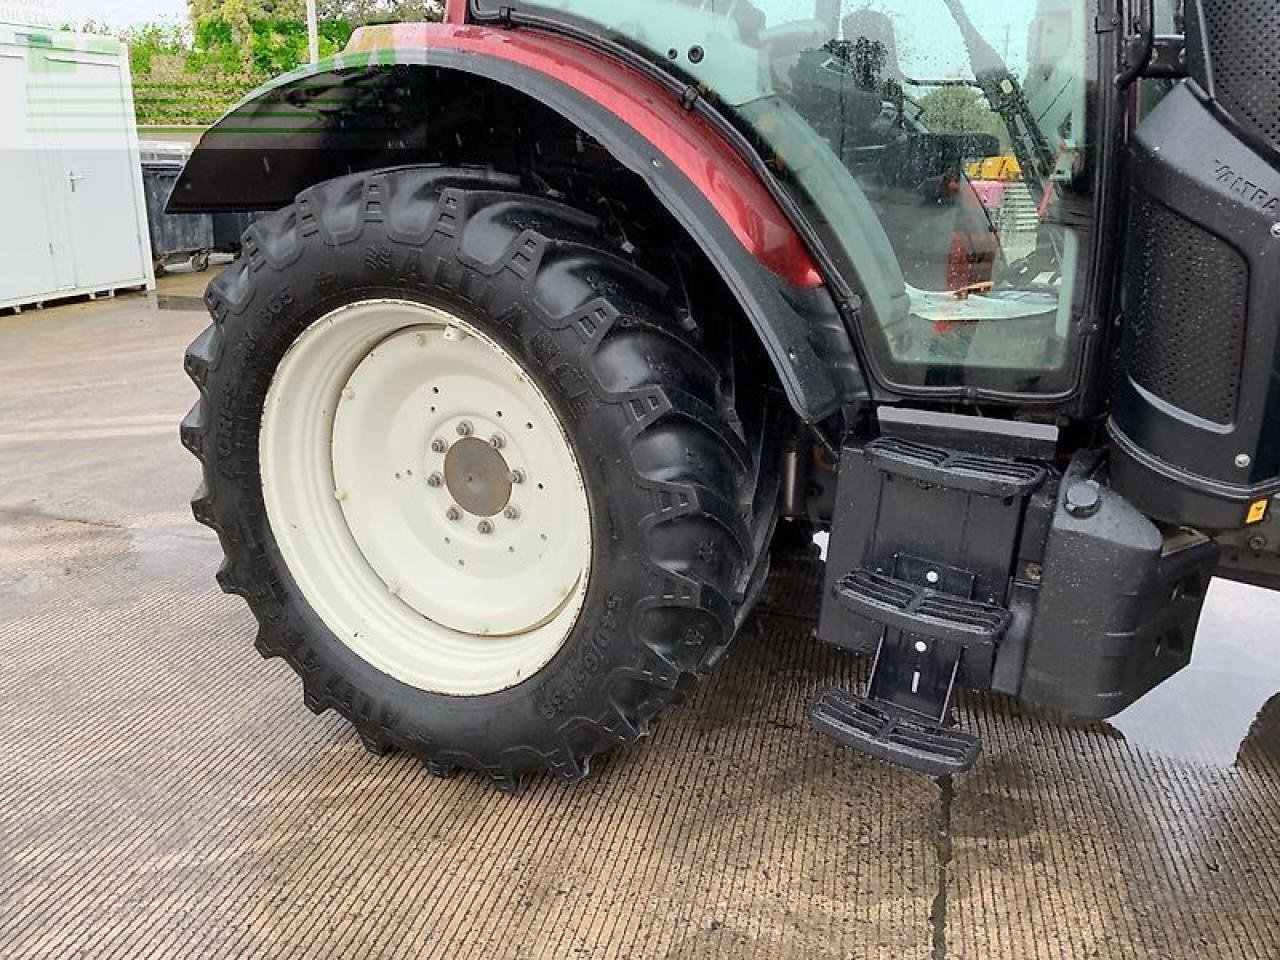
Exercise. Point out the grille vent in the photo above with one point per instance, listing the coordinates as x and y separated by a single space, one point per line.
1242 40
1186 302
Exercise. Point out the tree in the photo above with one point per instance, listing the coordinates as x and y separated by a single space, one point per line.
270 35
240 14
959 110
190 75
361 12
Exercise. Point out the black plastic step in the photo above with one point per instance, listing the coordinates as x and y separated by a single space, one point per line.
986 476
893 734
920 610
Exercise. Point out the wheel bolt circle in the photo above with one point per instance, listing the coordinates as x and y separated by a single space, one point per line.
453 513
512 512
497 441
464 428
484 526
439 445
516 476
435 480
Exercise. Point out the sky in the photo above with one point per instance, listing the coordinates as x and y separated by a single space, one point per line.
124 13
116 13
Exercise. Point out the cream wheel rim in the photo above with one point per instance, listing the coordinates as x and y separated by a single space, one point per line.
425 497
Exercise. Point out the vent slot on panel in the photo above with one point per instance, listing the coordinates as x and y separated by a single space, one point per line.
1243 40
1186 302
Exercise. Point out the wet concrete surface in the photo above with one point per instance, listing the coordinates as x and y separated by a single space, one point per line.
164 793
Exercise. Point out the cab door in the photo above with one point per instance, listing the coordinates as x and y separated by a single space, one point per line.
967 128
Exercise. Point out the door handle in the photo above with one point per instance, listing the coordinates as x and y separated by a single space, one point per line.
74 179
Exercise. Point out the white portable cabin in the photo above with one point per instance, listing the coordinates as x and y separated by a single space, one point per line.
73 217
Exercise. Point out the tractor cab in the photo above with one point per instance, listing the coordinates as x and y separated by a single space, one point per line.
943 155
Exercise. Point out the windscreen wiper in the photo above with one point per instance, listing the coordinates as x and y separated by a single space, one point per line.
1006 97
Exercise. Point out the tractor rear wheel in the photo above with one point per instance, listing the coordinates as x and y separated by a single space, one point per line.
481 490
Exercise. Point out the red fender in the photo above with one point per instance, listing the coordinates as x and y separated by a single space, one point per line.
685 139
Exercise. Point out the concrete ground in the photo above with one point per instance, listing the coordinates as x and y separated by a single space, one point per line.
163 792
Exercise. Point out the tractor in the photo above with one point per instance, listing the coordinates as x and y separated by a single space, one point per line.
561 318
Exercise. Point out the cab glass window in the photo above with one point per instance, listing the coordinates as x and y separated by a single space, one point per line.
939 147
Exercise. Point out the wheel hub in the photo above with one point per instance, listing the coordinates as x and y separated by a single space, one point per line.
477 477
425 496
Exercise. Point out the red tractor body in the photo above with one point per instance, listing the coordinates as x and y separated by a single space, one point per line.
683 140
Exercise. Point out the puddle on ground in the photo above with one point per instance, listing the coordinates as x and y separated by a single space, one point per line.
165 301
1226 704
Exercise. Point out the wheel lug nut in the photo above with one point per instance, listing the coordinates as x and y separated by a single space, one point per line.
497 441
512 512
464 428
439 445
516 476
484 526
435 480
453 513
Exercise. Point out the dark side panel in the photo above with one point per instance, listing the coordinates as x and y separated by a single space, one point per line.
1196 416
1252 555
1117 608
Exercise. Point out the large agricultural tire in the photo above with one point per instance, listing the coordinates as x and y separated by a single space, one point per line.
361 337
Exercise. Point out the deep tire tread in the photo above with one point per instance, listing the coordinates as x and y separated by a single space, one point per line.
622 312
